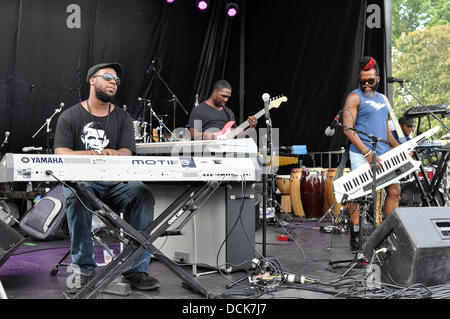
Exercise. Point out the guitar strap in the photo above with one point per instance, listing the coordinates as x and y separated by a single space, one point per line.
228 114
393 118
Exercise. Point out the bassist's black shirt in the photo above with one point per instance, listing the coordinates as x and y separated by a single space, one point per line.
209 117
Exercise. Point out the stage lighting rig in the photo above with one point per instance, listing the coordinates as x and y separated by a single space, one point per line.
202 4
232 9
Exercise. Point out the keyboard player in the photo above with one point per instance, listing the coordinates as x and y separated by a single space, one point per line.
366 110
97 127
407 126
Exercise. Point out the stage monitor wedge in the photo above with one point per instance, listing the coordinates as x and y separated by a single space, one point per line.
9 241
417 240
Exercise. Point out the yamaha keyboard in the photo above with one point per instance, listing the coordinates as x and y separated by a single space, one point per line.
40 167
395 164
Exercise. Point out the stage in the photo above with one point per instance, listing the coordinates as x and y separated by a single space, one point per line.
26 274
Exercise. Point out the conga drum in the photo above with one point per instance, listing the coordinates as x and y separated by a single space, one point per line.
330 198
312 185
294 192
283 184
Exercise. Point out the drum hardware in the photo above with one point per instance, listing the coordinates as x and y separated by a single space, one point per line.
137 131
162 126
144 131
47 124
288 217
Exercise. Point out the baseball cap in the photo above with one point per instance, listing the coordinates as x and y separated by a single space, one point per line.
407 121
116 66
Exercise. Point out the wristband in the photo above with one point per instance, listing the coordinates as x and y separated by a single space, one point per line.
370 152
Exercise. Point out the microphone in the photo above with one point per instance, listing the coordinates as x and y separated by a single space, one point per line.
142 99
391 79
196 100
5 141
61 106
151 66
329 131
124 107
31 148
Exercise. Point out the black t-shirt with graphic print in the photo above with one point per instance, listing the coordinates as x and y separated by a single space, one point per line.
76 130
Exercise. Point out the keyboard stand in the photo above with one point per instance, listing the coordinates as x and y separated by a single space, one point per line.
430 191
136 242
440 171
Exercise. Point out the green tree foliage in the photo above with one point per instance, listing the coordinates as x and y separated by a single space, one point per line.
410 15
421 53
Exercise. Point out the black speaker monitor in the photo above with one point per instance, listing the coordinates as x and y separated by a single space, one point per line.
9 241
417 240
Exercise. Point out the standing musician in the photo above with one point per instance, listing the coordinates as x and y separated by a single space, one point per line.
213 113
366 110
98 127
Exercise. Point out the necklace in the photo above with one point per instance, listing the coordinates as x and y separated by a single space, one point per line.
92 117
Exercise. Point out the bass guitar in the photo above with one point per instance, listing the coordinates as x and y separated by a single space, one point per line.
227 132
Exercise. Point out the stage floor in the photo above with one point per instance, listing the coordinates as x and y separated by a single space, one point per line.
26 274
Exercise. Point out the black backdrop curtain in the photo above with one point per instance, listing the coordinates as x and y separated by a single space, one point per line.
307 51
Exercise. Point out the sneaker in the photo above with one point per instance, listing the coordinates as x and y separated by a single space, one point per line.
141 281
76 282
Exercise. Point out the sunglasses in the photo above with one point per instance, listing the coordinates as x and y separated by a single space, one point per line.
108 77
370 81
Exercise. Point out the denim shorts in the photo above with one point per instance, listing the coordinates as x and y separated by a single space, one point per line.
357 160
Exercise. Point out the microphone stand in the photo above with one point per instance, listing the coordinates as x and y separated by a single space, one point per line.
47 123
161 124
5 141
374 140
267 178
150 124
174 97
